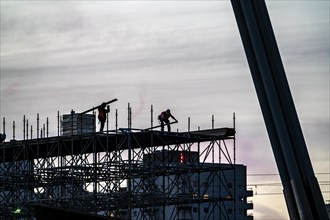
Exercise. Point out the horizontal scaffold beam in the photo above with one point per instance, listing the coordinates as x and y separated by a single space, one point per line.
104 142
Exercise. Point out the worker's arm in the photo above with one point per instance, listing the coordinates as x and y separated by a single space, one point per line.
174 118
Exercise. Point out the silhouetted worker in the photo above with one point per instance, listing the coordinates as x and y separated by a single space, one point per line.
102 114
163 117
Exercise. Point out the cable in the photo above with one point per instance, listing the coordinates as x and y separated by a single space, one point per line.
277 174
325 182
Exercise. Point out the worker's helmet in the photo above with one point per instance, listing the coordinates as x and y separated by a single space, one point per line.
103 104
168 111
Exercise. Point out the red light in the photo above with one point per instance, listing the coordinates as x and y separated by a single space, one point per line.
181 157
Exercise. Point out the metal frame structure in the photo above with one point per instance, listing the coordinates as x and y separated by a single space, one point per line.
105 173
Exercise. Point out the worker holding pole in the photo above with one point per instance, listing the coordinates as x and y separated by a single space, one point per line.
164 118
102 112
102 116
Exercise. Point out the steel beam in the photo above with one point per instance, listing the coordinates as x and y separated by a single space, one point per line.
301 190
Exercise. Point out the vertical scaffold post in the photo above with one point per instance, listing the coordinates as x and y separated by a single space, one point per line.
4 125
129 180
212 121
188 124
234 147
151 115
24 127
27 129
107 116
37 125
44 128
58 123
47 127
129 118
116 121
234 126
94 124
13 130
72 112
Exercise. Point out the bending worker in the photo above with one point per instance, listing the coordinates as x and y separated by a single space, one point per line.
163 117
102 114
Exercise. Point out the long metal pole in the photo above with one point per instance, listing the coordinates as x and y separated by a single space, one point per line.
301 190
94 108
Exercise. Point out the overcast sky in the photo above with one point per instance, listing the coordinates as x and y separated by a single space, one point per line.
182 55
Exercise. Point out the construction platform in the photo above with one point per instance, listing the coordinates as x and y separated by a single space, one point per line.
121 139
121 173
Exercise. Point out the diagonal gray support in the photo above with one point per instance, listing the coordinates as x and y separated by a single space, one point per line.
302 192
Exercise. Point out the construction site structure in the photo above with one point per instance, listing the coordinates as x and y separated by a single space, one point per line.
124 173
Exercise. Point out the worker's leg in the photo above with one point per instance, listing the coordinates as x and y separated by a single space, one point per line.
161 125
102 125
168 125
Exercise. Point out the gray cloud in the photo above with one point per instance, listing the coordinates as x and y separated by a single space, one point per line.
188 56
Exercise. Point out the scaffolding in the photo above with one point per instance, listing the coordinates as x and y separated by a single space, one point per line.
113 173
